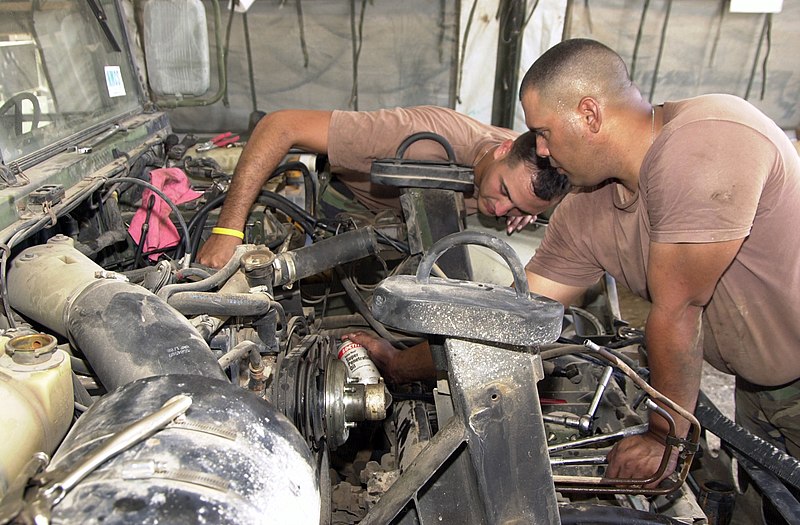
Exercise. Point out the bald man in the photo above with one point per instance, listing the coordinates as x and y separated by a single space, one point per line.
692 205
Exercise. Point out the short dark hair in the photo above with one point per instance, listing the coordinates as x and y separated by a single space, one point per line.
560 68
546 182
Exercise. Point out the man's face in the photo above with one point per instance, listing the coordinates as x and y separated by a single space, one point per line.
558 139
506 191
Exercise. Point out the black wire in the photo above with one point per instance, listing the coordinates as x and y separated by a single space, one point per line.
394 243
249 52
766 56
225 101
758 54
170 203
530 15
638 41
463 50
303 46
661 42
722 10
357 39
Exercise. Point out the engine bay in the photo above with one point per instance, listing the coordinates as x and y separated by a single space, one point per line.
184 391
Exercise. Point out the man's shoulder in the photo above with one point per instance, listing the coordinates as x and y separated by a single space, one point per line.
715 107
425 115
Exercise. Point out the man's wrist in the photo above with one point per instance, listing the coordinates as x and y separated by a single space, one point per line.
229 232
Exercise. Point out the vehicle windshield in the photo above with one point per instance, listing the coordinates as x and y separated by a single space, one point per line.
64 68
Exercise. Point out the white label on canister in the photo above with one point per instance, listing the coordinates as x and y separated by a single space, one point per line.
359 365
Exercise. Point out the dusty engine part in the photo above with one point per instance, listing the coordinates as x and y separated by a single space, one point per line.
125 331
313 389
36 388
216 461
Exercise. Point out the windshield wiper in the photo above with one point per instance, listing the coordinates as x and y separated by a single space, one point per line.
102 19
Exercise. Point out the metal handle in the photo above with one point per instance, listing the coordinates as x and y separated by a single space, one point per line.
499 246
423 135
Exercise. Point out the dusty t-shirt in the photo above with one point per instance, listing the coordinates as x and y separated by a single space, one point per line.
719 170
356 138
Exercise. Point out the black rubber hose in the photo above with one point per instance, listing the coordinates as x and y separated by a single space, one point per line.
268 198
323 255
364 310
170 203
198 221
214 281
297 214
221 304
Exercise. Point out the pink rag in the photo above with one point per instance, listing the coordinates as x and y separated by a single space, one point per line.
161 232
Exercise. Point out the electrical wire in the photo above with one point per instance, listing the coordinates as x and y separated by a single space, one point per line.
173 207
400 246
460 75
661 43
303 46
766 56
363 308
233 4
356 39
250 70
755 60
638 41
722 10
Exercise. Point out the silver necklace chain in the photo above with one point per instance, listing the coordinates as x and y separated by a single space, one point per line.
652 124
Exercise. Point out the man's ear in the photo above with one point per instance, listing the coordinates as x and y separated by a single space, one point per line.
591 113
502 150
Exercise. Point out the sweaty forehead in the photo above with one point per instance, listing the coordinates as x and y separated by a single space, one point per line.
533 110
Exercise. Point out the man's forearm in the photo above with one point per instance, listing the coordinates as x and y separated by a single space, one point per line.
259 159
675 360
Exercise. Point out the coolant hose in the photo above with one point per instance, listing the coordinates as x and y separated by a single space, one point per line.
323 255
229 304
214 281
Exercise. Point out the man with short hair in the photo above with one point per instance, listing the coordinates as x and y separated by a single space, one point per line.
507 179
692 205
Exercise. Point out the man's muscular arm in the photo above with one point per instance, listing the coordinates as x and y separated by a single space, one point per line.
681 279
271 140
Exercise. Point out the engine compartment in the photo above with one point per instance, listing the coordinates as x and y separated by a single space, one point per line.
178 392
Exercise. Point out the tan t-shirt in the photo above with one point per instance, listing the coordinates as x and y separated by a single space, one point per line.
720 170
356 138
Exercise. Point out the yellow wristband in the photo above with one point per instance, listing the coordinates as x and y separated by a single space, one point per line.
227 231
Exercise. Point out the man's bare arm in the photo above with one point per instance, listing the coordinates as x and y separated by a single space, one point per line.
564 294
681 279
271 140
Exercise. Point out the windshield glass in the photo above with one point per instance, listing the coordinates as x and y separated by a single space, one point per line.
63 68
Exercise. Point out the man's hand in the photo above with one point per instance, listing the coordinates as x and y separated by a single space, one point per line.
382 353
517 223
638 457
397 366
217 250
